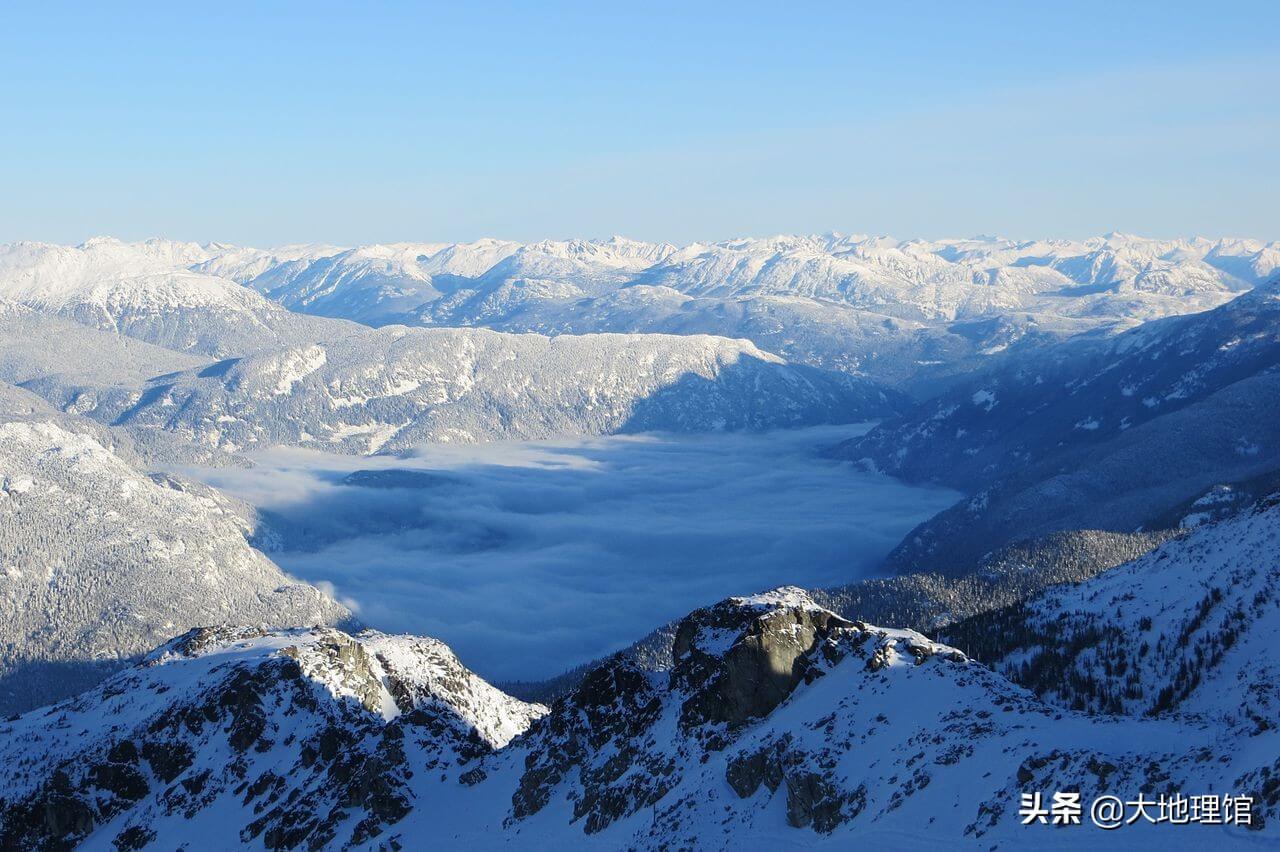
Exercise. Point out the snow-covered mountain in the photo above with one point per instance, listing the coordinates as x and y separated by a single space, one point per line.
780 721
232 720
1117 275
101 561
390 388
73 369
147 291
1101 433
914 354
911 312
1189 627
38 348
902 311
141 360
1124 462
379 284
958 279
1083 392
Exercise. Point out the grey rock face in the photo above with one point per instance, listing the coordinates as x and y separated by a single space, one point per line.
292 731
269 740
336 658
758 671
812 800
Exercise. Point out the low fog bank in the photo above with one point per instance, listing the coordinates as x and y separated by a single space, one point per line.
530 557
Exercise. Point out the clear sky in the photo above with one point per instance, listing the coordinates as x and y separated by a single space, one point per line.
275 122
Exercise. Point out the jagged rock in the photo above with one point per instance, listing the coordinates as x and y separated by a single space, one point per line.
342 662
768 639
473 777
310 698
199 639
871 727
812 800
134 837
614 707
748 771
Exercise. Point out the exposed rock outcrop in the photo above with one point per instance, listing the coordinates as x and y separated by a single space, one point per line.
777 712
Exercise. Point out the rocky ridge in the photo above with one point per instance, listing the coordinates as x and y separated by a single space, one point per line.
780 719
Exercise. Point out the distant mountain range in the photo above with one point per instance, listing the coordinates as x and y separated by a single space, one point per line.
1116 275
146 291
135 335
910 313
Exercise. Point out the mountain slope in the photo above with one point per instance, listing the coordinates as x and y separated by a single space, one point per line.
1139 480
780 721
1111 434
1190 627
146 291
237 717
1080 393
391 388
100 562
35 346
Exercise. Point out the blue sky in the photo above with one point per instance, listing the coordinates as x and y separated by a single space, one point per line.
276 122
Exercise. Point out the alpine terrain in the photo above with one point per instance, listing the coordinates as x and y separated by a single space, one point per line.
777 717
1094 617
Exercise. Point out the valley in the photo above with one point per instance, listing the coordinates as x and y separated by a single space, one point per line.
629 545
573 549
640 427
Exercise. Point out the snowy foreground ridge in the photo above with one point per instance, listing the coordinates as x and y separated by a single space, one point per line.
779 721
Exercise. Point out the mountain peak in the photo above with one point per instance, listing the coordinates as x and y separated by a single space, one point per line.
741 658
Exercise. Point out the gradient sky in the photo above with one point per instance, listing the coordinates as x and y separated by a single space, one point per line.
277 122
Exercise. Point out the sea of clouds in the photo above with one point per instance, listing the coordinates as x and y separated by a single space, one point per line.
531 557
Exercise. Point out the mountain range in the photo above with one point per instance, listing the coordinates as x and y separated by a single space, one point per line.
904 312
1101 602
392 388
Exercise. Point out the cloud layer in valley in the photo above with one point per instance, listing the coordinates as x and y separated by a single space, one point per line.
531 557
